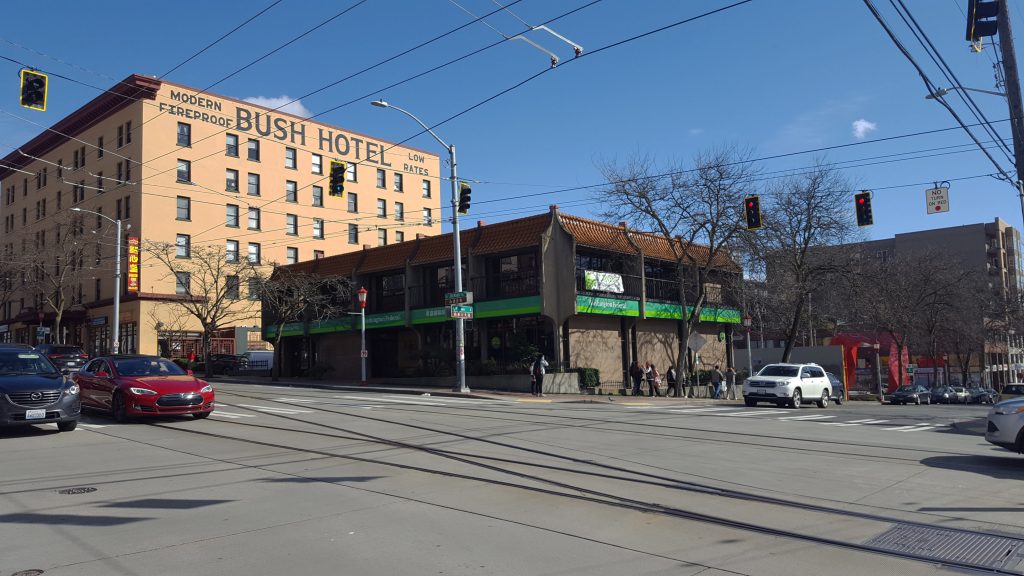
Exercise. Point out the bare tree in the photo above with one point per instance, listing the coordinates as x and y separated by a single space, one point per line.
57 260
964 331
802 214
696 210
208 281
289 295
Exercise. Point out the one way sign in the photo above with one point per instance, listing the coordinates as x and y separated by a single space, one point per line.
937 200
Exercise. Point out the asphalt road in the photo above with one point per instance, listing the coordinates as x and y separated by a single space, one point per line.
301 481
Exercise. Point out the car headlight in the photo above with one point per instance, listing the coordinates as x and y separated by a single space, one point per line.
1009 409
142 391
207 388
71 390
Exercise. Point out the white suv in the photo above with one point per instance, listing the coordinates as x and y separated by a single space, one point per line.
787 384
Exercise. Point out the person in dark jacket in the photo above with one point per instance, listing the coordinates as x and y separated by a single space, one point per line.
636 374
537 384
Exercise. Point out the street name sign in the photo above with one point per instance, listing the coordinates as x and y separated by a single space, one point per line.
460 311
451 298
937 200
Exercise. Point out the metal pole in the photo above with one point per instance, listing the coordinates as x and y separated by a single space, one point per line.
116 348
750 358
460 327
878 375
362 339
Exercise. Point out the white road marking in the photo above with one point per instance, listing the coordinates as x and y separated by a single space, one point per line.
231 414
414 402
84 425
809 417
272 410
700 410
446 399
914 428
752 413
297 400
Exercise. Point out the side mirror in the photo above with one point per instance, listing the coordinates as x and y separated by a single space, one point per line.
102 374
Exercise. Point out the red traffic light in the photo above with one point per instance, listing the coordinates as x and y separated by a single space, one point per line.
860 200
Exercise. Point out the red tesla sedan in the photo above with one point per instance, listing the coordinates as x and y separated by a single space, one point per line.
128 386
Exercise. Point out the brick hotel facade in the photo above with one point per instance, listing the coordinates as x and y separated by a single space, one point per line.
190 169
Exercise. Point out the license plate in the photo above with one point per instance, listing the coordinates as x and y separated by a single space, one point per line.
35 414
71 363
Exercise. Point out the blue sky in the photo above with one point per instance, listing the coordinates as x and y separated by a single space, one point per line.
775 76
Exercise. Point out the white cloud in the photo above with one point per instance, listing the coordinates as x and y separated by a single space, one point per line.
293 108
861 128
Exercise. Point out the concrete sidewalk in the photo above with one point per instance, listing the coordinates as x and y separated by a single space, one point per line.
382 386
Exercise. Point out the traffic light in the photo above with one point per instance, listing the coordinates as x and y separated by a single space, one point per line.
752 209
982 19
33 90
862 201
464 197
337 187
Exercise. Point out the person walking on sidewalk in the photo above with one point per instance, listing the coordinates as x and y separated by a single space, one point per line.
730 383
537 387
671 376
716 382
636 374
654 380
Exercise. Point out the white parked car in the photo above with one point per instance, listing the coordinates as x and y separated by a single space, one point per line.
788 384
1006 425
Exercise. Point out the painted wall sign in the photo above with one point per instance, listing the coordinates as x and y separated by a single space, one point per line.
611 306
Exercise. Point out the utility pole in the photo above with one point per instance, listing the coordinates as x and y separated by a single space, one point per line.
1013 97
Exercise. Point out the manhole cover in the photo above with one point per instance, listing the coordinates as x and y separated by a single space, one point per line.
32 572
949 545
66 491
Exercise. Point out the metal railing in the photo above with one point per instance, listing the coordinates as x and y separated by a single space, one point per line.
504 286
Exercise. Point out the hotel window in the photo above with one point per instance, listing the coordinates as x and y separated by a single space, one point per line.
350 172
128 170
181 283
231 176
254 150
120 136
232 216
99 147
291 191
381 180
254 253
231 149
318 164
254 289
183 246
318 196
128 132
426 188
426 217
318 254
254 184
231 251
254 218
382 207
289 158
184 171
399 211
291 224
382 237
118 209
318 228
353 202
99 182
353 234
399 236
99 285
120 173
398 182
184 208
74 161
127 207
184 134
59 199
81 153
292 254
232 287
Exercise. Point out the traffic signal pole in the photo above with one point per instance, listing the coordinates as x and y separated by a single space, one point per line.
460 323
1013 96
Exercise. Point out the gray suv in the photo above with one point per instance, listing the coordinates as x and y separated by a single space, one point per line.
33 391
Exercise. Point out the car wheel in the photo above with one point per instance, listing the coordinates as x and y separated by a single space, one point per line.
119 408
67 426
796 399
823 401
750 402
200 415
839 400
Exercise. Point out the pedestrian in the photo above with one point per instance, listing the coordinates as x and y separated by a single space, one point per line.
636 374
671 376
730 383
654 380
716 382
191 360
537 387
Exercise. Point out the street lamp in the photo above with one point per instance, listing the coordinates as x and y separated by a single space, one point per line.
115 344
362 324
460 331
940 92
878 373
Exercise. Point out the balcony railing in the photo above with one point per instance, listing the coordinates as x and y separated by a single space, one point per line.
504 286
429 296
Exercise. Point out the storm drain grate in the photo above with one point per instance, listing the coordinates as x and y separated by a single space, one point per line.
79 490
948 545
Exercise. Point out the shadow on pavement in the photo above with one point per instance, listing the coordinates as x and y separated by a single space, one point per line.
327 479
67 519
165 504
1010 466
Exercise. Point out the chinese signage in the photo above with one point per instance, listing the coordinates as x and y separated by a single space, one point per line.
133 264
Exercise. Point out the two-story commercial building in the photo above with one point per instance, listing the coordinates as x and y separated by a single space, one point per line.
584 293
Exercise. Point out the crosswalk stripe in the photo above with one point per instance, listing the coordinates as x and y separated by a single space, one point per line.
84 425
392 400
809 417
752 413
223 415
699 410
272 410
298 400
448 399
231 414
912 428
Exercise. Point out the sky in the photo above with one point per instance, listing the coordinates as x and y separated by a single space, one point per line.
807 79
